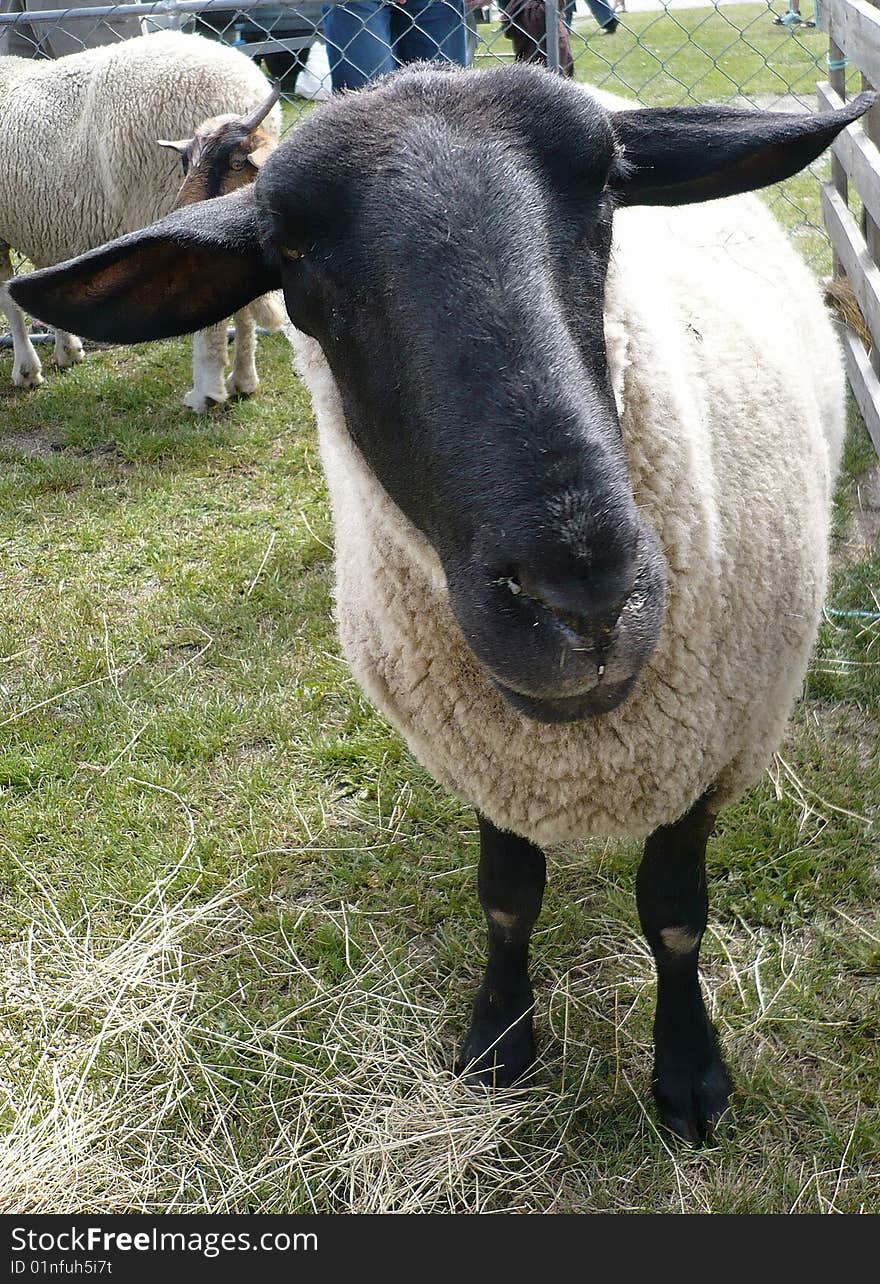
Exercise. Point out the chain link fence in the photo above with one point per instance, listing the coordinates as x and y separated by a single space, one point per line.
658 52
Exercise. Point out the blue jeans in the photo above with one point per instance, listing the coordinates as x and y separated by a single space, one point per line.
602 12
366 38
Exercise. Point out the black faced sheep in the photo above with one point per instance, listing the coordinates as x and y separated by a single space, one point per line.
581 494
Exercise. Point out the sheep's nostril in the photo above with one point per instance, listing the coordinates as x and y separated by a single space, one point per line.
587 598
594 635
590 616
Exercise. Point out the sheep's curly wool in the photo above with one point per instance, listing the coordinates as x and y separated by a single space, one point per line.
79 162
729 385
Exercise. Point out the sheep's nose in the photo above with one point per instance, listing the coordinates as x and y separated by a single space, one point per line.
588 604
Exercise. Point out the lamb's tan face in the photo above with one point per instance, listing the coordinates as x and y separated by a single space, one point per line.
221 157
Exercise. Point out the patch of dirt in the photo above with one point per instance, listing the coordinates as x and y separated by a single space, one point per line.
37 444
863 533
867 507
33 445
857 728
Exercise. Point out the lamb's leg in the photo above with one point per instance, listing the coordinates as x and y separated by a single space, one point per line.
691 1082
501 1043
27 372
68 349
243 379
209 369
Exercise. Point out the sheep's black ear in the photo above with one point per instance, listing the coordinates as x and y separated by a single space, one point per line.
676 155
191 269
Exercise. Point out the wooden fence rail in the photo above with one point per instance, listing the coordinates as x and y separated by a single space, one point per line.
853 28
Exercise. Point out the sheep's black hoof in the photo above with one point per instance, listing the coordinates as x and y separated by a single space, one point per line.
692 1089
500 1046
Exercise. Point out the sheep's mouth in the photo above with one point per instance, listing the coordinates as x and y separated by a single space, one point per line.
600 699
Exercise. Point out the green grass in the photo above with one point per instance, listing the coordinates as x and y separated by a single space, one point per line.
702 55
175 713
239 925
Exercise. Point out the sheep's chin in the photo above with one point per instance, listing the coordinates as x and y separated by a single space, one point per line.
600 699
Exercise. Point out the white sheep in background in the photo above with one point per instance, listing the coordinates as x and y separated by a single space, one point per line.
79 164
581 490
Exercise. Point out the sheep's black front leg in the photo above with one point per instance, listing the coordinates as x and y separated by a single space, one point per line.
501 1043
691 1082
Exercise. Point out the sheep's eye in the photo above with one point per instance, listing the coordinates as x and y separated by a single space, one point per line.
287 252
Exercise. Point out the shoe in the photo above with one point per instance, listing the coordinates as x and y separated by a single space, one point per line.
610 27
791 19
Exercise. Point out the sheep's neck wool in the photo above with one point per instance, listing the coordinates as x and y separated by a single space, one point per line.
732 453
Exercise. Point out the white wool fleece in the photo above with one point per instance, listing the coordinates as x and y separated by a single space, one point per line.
79 163
730 389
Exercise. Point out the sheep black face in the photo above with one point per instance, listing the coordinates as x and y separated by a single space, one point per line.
453 272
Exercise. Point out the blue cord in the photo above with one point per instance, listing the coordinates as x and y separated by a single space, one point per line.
852 615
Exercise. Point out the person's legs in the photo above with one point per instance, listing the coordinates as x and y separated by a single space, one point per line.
794 17
358 37
603 13
430 31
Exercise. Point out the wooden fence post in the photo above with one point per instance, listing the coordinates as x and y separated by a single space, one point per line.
853 28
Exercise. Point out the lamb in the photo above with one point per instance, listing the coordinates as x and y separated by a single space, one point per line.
79 165
581 498
225 154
